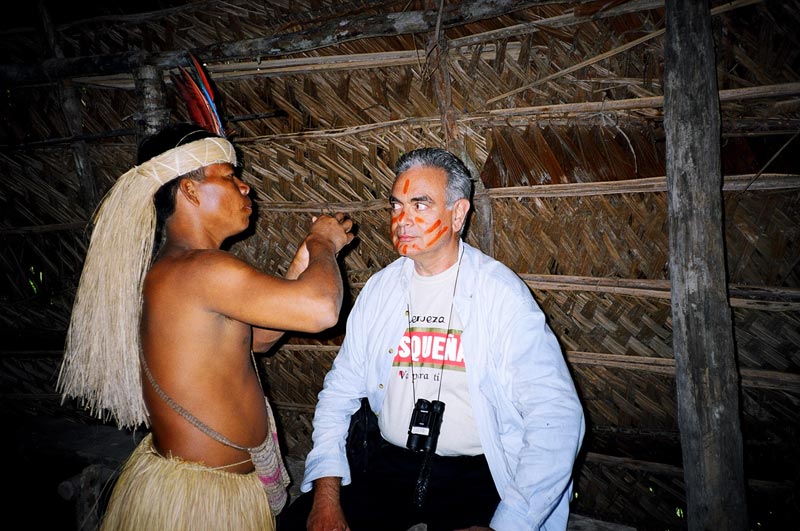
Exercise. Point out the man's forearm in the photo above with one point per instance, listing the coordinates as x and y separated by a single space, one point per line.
326 490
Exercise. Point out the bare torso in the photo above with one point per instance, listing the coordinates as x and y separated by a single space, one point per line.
201 359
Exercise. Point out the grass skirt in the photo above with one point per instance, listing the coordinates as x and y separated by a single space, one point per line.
168 494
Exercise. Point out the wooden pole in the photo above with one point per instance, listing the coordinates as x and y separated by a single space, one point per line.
71 105
152 114
438 56
706 375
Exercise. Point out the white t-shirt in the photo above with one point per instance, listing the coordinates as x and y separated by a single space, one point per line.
429 360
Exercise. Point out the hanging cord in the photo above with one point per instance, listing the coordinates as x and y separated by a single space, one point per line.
447 336
423 479
266 457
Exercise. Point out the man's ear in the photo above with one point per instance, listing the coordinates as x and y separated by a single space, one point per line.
188 189
460 211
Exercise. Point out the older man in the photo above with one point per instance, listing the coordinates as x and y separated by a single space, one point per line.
479 419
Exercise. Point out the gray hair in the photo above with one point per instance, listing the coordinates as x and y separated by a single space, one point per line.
459 183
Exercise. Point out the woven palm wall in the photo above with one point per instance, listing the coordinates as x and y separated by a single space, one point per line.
558 106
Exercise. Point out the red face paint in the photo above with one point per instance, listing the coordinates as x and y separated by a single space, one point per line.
434 226
406 185
438 235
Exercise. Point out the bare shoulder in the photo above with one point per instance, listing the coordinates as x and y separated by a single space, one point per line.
216 280
198 264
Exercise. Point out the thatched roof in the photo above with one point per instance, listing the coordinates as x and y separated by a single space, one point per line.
559 107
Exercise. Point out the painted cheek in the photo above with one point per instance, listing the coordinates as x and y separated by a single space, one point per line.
438 235
434 226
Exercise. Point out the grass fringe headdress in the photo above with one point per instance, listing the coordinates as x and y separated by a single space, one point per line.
101 356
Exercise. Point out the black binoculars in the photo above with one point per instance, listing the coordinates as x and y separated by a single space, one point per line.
423 430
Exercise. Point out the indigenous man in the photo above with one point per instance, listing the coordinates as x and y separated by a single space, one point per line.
191 322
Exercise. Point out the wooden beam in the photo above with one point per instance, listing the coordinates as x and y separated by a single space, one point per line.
751 378
304 65
706 375
333 32
764 181
762 298
611 53
522 116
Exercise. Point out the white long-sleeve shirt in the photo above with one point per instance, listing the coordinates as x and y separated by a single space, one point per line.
529 418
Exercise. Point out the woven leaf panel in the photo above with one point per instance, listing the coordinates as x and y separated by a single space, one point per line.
763 237
622 235
654 499
634 497
111 110
520 62
40 272
626 398
627 236
31 113
548 154
328 100
768 339
278 234
770 427
272 240
295 376
195 25
353 169
40 189
109 162
28 375
609 323
294 430
641 326
317 171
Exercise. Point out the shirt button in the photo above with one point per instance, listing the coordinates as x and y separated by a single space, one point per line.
380 386
391 350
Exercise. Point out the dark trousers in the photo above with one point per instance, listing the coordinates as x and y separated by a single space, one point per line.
461 494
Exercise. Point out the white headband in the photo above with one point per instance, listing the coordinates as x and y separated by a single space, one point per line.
186 158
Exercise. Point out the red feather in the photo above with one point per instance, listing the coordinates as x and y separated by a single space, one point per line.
201 110
201 73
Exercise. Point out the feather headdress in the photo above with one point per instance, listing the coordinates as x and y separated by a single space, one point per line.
194 87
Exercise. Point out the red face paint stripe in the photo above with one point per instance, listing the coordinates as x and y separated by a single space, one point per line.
405 186
438 235
434 226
